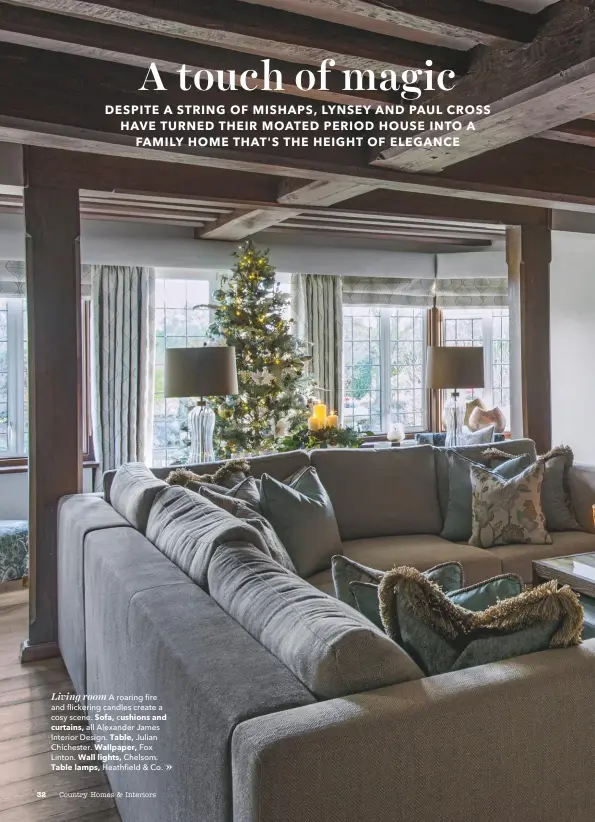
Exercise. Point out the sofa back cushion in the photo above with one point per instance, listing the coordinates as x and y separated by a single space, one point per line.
133 491
279 466
331 648
473 452
381 493
188 528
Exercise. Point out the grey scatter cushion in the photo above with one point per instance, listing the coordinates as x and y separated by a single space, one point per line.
365 596
555 496
248 491
331 648
345 571
449 575
508 511
479 437
187 528
304 520
457 523
245 512
133 491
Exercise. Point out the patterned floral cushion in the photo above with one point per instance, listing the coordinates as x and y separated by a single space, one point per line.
508 511
14 549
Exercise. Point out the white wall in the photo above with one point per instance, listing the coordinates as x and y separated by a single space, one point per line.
459 266
121 243
572 311
14 493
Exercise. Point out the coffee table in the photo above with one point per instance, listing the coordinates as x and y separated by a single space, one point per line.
576 571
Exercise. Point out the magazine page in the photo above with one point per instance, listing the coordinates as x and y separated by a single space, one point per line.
297 496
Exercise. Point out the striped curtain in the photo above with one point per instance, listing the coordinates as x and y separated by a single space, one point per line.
317 308
124 364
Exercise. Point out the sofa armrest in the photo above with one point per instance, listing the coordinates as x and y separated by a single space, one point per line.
502 741
582 491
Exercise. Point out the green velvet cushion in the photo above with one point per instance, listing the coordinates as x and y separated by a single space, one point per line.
448 575
474 598
555 498
485 594
457 524
303 518
441 636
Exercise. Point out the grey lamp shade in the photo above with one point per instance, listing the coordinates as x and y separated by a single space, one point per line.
454 367
209 371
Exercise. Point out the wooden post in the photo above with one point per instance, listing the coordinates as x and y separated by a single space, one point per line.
529 253
52 226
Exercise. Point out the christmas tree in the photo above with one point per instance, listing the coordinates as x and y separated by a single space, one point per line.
274 389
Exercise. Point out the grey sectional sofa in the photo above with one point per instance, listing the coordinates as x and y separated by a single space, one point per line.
252 735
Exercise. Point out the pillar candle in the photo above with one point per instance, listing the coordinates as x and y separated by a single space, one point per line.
314 424
332 420
319 412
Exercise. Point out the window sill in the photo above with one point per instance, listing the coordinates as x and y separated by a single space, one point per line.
10 466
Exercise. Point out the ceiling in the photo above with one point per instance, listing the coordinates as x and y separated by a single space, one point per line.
531 61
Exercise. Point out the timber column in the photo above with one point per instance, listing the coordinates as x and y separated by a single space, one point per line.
52 226
529 254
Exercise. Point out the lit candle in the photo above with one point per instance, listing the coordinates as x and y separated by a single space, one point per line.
314 424
319 412
332 421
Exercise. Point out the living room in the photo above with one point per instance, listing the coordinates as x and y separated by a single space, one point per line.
296 472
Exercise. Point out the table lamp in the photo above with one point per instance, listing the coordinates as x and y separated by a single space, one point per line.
209 371
452 368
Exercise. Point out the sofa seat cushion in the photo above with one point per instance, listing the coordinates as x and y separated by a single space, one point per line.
330 647
133 491
188 528
517 559
377 493
422 552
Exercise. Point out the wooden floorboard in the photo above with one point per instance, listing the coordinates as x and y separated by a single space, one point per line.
29 789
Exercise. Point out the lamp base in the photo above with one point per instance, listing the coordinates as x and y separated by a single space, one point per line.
454 414
201 424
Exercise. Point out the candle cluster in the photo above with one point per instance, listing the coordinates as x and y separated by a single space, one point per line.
320 419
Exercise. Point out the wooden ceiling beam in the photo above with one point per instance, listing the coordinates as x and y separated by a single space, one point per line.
581 132
102 41
243 223
481 22
530 90
264 31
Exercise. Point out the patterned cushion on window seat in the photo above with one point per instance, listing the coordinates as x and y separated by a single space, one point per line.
14 549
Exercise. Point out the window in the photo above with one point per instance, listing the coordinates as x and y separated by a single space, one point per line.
13 407
489 328
14 379
384 361
178 324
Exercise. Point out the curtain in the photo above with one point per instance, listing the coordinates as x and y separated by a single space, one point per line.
124 363
317 308
479 292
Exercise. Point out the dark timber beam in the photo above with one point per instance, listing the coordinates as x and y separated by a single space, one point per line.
530 90
266 31
72 35
581 132
55 417
473 20
529 252
238 189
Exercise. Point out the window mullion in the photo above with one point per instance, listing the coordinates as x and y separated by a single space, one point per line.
488 357
385 369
